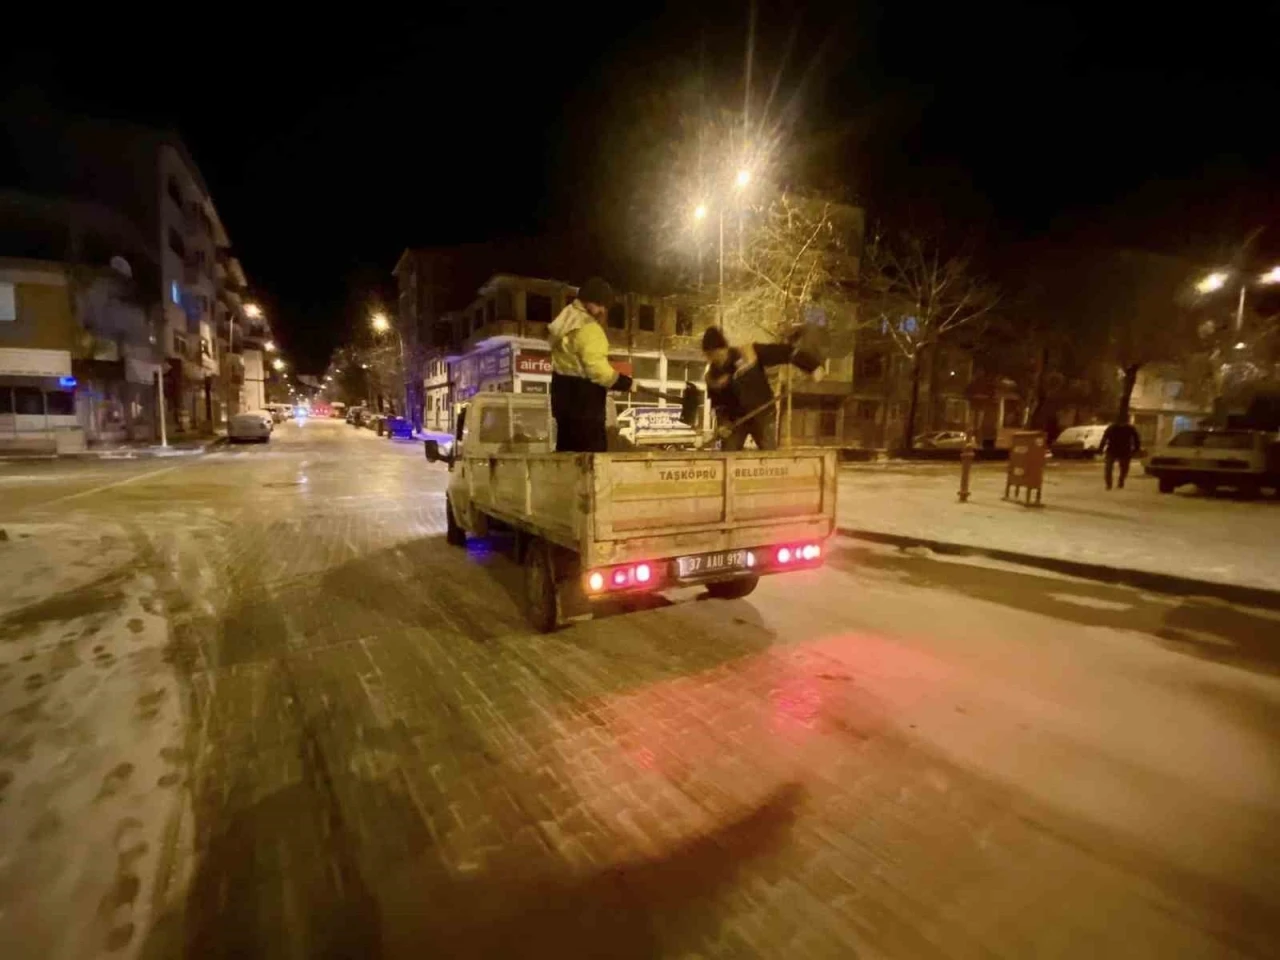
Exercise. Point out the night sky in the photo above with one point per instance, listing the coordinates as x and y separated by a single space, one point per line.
331 145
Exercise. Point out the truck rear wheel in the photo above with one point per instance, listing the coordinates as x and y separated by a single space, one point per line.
733 589
1167 485
541 596
454 535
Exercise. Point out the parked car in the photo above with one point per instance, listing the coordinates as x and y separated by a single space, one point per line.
356 415
255 425
942 440
1082 441
1245 460
374 421
398 428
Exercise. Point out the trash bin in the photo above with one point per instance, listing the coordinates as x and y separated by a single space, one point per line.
1026 464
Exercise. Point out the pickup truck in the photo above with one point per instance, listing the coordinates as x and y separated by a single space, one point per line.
598 527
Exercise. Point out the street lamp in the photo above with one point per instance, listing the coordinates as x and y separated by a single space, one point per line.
1218 279
700 213
277 364
1214 281
270 346
253 311
381 324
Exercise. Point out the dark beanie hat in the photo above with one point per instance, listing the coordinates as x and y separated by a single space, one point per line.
596 290
713 339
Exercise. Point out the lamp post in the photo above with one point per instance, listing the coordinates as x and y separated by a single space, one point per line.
1215 281
740 183
381 324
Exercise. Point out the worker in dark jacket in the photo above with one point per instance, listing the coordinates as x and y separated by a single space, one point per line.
737 386
581 375
1120 442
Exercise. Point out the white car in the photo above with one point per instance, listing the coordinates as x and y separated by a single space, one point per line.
1245 460
942 440
1082 441
255 425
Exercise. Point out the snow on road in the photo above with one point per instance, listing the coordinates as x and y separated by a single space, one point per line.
275 714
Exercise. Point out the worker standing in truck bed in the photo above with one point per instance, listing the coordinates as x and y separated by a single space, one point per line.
737 385
581 375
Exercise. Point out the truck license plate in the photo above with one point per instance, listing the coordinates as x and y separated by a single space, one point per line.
712 562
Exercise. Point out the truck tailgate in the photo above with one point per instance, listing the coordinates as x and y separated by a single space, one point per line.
648 505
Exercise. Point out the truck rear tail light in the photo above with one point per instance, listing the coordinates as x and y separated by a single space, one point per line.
621 578
791 555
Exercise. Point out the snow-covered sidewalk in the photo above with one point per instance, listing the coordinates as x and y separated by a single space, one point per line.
1218 539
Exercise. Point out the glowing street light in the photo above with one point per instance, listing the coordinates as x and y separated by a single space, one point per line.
253 311
277 363
700 212
743 178
1218 279
269 346
380 322
1214 281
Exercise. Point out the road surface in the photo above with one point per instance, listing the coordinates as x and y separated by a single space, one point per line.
251 705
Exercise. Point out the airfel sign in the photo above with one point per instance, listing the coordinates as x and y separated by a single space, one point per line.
530 361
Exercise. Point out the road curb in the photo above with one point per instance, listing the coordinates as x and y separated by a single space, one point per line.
1142 579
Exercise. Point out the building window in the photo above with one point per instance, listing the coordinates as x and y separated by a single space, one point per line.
684 322
618 316
491 310
176 244
645 368
867 410
6 400
175 192
204 347
870 367
28 401
645 318
179 344
827 421
175 292
8 303
61 403
537 308
504 305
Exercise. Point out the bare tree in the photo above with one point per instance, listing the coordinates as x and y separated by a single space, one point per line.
798 261
918 294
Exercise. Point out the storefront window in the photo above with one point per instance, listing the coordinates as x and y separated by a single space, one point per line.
646 368
28 401
6 400
62 403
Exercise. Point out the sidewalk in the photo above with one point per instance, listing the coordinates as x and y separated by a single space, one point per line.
186 446
179 447
1182 537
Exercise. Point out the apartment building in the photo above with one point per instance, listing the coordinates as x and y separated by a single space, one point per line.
148 177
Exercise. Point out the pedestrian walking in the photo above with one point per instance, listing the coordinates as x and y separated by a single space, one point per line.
1120 442
581 375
